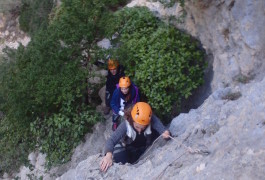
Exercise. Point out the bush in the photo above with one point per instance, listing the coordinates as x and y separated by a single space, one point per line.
165 63
44 84
34 14
14 146
58 134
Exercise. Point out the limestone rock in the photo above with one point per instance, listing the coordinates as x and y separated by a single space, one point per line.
230 30
223 138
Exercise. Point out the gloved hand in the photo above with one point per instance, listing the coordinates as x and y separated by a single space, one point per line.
121 113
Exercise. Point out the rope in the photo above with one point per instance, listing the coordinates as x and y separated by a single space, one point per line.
164 170
188 149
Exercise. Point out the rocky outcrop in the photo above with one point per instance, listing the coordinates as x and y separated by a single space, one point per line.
10 34
230 30
224 137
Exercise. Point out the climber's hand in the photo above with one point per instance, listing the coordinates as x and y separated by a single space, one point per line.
106 162
166 134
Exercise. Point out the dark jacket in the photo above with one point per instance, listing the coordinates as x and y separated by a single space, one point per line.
112 80
121 133
118 98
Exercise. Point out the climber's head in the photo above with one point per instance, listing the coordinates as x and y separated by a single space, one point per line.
141 114
113 66
125 84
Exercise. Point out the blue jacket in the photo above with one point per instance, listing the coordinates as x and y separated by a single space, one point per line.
118 98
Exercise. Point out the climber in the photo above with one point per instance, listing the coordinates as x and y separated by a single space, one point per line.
133 136
125 94
115 72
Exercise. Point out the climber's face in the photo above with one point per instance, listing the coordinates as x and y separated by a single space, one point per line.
125 90
113 71
138 127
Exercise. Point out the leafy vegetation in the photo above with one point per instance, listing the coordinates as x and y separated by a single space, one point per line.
34 14
44 86
61 132
165 63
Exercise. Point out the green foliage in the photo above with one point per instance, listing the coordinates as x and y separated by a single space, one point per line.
43 85
60 133
166 63
13 141
83 22
34 14
14 146
42 77
39 81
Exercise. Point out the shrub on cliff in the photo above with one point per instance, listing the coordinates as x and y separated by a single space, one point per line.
166 63
45 85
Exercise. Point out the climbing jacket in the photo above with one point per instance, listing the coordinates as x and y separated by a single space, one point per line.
111 82
118 99
127 134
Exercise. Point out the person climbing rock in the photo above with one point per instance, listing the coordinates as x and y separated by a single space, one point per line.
115 72
126 94
133 136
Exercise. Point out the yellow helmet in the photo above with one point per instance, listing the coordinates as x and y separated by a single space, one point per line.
141 113
124 82
113 64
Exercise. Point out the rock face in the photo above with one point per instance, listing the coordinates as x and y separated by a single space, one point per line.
230 30
224 137
10 34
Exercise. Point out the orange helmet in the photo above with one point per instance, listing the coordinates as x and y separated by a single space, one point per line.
124 82
141 113
113 64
